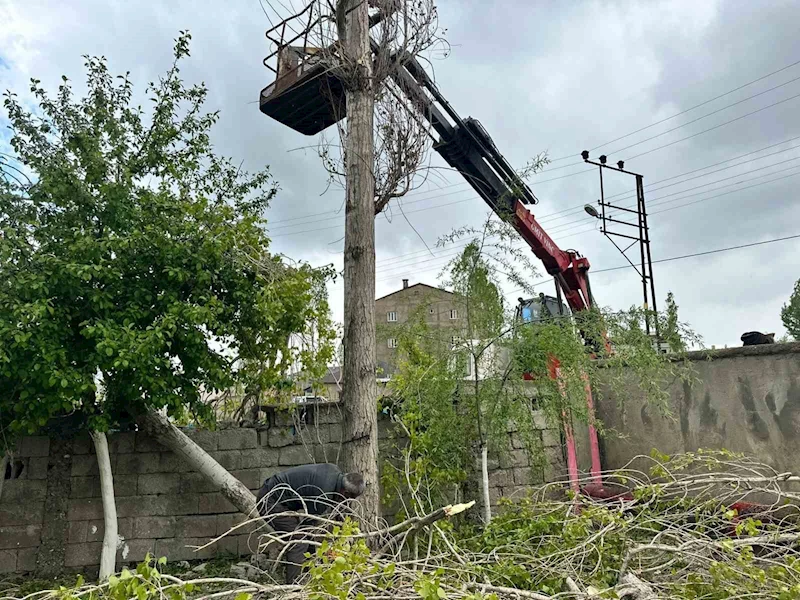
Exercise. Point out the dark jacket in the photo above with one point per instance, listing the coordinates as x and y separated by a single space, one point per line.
309 483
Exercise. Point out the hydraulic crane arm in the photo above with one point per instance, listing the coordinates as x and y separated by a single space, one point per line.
308 98
467 147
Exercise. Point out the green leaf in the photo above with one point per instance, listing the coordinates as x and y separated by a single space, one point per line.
243 596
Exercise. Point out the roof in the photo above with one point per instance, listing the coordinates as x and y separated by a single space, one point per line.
425 285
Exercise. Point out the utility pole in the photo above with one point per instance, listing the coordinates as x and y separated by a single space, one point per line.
359 396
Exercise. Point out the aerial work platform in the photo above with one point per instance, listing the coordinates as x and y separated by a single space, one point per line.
306 95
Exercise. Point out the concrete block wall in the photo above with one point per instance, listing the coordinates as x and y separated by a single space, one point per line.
513 472
51 516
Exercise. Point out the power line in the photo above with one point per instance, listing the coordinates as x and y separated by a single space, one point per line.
652 203
442 259
683 112
577 208
414 265
774 104
706 253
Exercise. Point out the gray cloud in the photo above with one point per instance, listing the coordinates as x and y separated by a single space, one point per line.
540 76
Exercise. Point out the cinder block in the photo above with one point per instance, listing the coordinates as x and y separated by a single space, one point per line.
516 492
294 455
213 504
8 561
335 432
196 483
207 440
182 549
145 443
278 437
125 528
248 544
314 434
85 465
501 478
228 546
516 441
154 527
284 418
145 462
551 437
328 414
20 536
25 491
237 439
34 445
123 442
523 476
172 463
135 550
196 526
37 467
181 504
555 468
159 483
125 485
495 493
227 522
85 487
492 463
258 458
251 478
140 506
263 437
82 555
86 509
82 445
326 453
26 560
514 458
95 530
540 420
229 459
77 532
17 511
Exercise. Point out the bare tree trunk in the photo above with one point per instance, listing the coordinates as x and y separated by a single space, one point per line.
108 555
164 432
360 389
487 508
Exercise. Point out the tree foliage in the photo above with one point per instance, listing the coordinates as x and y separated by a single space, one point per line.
790 313
447 407
135 270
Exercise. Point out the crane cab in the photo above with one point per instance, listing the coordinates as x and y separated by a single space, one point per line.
540 309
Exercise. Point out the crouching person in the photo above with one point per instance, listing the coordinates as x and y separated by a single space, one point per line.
310 489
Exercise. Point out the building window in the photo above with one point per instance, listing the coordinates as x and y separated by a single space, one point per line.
391 316
454 340
453 313
392 342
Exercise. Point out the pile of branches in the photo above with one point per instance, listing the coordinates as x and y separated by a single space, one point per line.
704 525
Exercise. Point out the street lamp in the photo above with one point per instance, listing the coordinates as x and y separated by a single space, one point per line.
591 211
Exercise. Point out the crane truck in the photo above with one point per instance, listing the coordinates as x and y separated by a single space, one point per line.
307 97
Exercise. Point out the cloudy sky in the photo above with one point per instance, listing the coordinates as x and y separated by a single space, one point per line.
541 76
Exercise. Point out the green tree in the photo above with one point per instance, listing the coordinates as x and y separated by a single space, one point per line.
790 313
461 395
135 271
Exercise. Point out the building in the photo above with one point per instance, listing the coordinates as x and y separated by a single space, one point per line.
437 306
